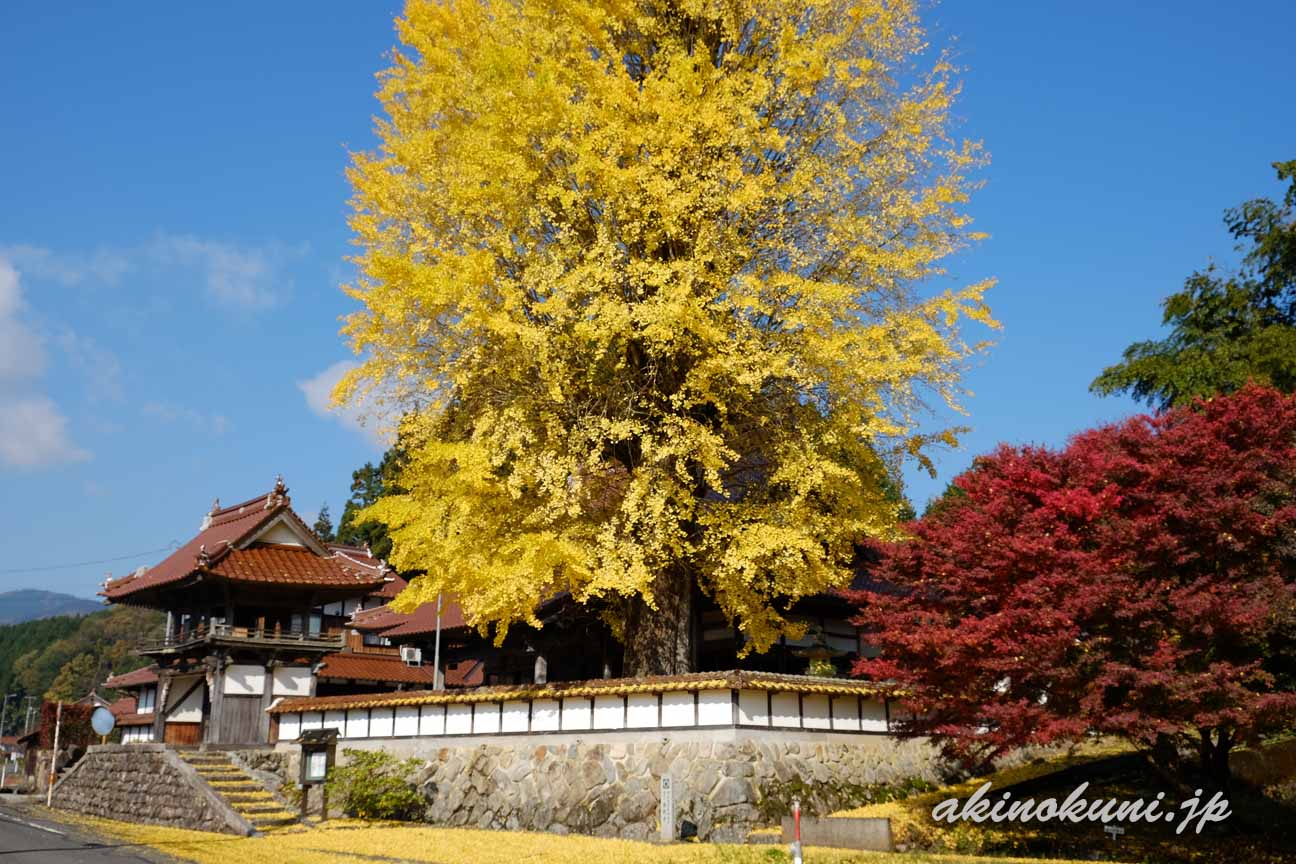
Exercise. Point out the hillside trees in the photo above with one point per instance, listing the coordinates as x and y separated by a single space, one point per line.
643 281
1140 582
63 658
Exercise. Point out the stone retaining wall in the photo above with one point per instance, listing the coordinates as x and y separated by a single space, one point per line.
144 783
610 788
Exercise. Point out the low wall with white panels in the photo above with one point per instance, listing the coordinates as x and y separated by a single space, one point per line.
612 713
608 783
590 756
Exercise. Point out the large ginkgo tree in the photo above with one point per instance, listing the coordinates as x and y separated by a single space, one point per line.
645 282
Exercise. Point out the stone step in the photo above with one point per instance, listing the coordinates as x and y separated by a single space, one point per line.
257 797
261 824
225 787
259 808
221 775
204 761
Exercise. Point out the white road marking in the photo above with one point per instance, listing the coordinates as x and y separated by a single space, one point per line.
17 821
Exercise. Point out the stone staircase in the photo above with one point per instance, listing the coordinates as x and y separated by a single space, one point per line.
239 790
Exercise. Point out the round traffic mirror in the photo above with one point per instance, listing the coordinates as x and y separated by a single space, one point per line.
102 721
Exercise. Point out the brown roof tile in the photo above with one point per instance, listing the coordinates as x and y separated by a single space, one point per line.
466 673
374 667
137 678
379 618
228 527
124 713
394 586
423 620
292 565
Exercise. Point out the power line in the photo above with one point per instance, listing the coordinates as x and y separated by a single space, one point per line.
172 545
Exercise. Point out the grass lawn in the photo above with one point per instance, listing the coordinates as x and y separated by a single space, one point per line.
352 842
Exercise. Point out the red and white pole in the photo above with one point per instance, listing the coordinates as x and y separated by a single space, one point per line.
58 725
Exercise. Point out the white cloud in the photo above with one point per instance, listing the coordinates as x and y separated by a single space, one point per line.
104 264
33 434
318 391
242 276
22 352
165 412
97 365
246 277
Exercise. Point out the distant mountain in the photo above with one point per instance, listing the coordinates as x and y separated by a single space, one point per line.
28 604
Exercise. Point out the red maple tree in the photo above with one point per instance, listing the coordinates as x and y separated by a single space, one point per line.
1140 582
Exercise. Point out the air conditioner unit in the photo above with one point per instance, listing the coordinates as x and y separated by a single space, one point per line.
411 655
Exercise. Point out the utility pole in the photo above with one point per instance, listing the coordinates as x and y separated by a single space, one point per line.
4 754
4 710
438 682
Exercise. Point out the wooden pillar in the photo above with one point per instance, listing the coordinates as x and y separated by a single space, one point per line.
216 697
159 707
267 696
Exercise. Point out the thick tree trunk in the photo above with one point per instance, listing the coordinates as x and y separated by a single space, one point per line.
662 641
1214 754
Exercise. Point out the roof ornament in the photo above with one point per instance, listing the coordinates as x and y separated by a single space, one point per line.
202 557
368 553
278 495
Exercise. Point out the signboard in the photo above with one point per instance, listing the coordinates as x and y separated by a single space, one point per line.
667 810
316 766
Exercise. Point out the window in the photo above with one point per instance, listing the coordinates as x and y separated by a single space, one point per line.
147 696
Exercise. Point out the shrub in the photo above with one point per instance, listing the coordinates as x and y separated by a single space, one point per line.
375 785
822 799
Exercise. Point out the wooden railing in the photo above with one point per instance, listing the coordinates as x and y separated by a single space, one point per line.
330 640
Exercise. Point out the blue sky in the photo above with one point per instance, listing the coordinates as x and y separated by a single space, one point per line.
172 235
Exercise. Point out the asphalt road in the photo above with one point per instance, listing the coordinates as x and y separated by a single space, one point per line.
27 839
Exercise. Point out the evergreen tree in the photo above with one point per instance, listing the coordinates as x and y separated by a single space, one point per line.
324 524
1225 329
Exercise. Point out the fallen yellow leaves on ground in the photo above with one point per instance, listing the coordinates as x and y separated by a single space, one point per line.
353 842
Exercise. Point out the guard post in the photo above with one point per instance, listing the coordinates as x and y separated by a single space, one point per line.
318 749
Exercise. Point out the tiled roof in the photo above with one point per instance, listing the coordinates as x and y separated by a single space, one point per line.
386 621
395 585
292 565
123 711
467 673
374 667
423 620
137 678
358 558
731 680
124 705
213 550
223 528
379 618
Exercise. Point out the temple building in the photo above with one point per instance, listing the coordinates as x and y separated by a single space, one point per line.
260 609
256 608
